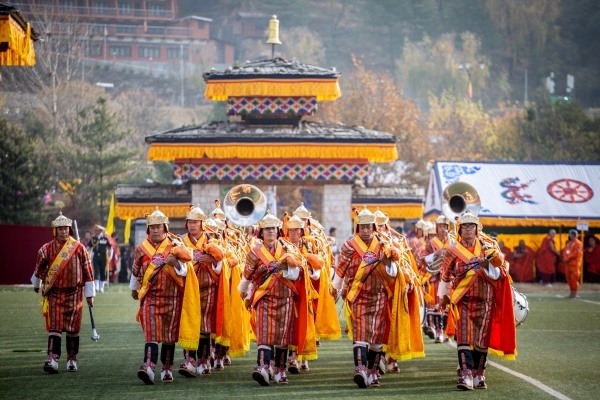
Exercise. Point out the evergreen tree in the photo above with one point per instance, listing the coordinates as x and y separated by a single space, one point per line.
24 176
96 159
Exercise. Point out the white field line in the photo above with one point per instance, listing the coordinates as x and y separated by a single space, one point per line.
526 378
587 301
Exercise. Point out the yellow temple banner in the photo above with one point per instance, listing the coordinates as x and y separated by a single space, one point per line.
322 89
395 210
524 222
128 211
20 50
379 152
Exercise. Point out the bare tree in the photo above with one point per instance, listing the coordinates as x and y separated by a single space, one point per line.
59 60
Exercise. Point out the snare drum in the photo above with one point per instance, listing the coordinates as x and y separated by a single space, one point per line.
521 306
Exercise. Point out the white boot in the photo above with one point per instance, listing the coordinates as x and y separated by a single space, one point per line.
101 286
51 365
479 382
465 381
72 366
373 379
166 374
203 368
188 368
360 376
261 375
226 360
304 366
97 285
146 373
280 377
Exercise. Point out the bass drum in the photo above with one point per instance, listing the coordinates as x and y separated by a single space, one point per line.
521 306
422 307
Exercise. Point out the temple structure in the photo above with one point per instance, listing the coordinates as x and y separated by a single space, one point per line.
268 141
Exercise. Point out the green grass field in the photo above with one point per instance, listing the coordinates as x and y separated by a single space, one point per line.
558 346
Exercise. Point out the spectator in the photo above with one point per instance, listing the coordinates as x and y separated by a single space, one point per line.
116 255
572 260
546 259
335 248
87 237
592 258
560 269
508 256
524 257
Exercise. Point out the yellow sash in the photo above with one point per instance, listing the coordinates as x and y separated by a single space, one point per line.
465 283
437 244
60 261
361 248
58 264
149 250
266 258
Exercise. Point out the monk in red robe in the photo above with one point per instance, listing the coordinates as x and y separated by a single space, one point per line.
592 258
572 260
546 259
523 266
508 256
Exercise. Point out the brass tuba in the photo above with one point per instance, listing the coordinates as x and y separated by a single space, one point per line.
245 205
458 198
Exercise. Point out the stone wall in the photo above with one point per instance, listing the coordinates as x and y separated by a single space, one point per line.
205 195
337 205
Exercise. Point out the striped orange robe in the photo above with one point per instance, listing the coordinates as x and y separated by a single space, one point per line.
207 282
160 309
65 298
476 307
274 311
370 309
417 246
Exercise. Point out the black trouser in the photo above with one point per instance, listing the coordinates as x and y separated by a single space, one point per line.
99 268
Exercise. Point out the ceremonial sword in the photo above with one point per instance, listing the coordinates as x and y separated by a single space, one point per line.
95 335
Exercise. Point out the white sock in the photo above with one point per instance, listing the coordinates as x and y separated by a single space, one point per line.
97 284
101 286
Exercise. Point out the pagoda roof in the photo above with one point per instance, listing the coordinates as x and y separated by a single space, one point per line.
310 140
274 68
7 9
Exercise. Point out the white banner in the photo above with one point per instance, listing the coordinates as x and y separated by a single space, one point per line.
519 190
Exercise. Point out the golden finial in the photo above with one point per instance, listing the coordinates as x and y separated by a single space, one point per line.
273 34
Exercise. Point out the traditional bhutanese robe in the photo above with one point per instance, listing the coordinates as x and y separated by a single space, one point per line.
508 258
367 300
573 255
433 281
327 323
545 258
161 294
65 269
417 246
475 303
273 299
592 258
523 265
208 280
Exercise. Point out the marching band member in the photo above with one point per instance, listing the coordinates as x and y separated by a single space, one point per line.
64 271
411 281
168 296
327 324
481 287
293 229
369 273
436 320
272 270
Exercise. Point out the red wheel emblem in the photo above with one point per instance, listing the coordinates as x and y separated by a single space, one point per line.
570 191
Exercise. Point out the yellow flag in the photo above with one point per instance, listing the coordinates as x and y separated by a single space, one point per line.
127 230
110 224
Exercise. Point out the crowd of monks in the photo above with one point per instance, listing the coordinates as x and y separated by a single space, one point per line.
219 287
548 264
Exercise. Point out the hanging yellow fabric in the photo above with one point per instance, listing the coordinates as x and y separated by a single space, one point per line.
322 89
395 211
127 230
110 224
377 152
138 210
20 50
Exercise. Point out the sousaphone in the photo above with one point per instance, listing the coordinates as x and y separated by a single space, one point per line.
245 205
